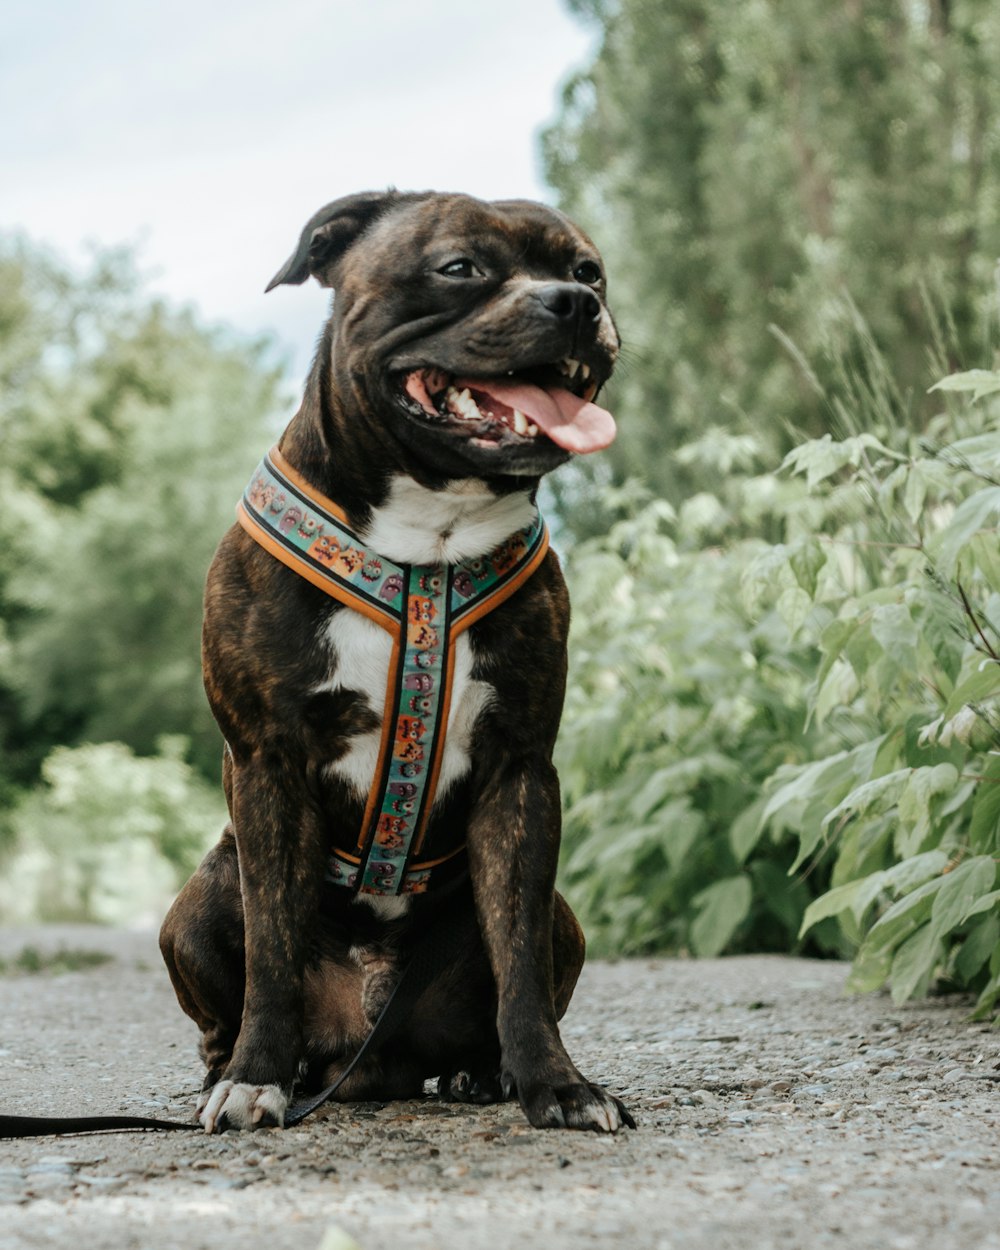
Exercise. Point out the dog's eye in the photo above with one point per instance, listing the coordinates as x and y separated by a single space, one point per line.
460 268
588 273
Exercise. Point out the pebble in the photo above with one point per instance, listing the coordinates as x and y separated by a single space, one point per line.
106 1183
851 1068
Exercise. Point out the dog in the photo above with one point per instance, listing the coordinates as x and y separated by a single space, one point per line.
459 364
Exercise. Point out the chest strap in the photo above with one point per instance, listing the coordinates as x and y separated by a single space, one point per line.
424 608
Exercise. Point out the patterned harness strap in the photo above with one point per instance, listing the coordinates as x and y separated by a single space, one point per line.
424 608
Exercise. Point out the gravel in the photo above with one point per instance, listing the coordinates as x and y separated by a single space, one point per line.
773 1110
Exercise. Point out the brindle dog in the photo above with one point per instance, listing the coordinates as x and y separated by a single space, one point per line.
283 972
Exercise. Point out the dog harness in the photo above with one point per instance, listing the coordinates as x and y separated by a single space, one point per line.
424 608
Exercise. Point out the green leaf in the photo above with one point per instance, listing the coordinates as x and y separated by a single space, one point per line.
894 628
746 830
986 1002
985 902
821 458
914 493
871 797
833 640
913 964
915 870
806 561
980 511
982 940
723 907
984 827
985 551
832 903
793 606
916 803
903 917
984 683
869 971
961 889
977 382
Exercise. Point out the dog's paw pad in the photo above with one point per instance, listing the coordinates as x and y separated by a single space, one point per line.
231 1104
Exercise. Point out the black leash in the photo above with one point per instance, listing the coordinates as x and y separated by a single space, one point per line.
414 978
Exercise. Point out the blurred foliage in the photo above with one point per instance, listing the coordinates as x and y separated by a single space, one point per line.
30 961
826 707
128 431
681 705
108 835
745 169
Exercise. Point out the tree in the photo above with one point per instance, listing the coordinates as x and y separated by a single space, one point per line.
129 430
749 170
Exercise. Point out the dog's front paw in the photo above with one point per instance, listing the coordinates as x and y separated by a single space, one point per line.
575 1104
230 1104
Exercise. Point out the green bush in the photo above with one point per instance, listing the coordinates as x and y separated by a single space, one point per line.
109 836
681 704
905 620
764 737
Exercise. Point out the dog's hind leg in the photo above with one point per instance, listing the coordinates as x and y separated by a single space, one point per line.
202 944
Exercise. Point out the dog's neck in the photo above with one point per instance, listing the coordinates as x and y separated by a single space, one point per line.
415 525
409 521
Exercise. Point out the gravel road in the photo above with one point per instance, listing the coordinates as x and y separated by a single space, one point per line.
773 1111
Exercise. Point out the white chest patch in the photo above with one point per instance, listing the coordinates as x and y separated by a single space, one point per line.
363 651
420 526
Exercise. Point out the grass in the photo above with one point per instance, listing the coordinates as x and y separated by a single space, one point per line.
30 961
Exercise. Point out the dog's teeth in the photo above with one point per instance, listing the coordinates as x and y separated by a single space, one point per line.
589 391
532 429
462 405
569 366
520 422
585 369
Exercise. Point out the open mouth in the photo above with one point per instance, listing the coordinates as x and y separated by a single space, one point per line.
551 401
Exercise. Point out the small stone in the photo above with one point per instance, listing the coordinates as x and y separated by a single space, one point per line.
956 1074
850 1068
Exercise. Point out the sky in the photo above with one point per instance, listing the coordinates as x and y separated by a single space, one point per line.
206 133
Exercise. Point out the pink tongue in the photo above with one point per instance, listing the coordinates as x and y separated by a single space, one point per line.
571 422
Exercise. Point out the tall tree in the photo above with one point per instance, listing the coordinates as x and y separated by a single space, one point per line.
754 173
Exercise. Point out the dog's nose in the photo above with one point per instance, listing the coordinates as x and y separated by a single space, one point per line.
569 301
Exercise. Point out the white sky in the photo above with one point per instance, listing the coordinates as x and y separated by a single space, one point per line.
206 133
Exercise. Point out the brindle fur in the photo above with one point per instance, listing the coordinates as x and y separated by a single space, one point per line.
282 973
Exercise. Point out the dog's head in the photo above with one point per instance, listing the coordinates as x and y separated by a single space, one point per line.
474 334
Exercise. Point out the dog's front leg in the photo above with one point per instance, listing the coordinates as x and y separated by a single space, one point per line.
513 848
281 854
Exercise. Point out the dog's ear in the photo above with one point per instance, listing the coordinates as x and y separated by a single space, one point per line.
328 234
